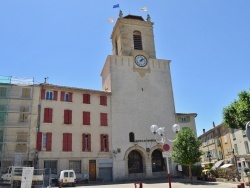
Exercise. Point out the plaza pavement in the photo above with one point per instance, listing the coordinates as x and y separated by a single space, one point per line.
176 183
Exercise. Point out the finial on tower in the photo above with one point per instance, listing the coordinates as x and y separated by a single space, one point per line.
120 14
148 18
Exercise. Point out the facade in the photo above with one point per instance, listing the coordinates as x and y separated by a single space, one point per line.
142 95
240 145
74 131
186 120
216 145
18 113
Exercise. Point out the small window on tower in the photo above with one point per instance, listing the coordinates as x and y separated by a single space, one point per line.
116 48
137 40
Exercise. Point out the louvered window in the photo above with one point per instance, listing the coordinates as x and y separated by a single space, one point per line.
24 114
48 113
67 116
86 118
86 98
26 92
67 142
103 100
137 40
104 119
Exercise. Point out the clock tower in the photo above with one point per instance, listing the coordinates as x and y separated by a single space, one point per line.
141 96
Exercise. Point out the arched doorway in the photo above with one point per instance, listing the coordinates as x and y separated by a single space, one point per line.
158 164
135 164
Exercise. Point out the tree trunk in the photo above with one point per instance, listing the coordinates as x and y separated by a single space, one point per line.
190 173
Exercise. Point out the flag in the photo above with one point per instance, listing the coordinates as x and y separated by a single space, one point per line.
111 19
116 6
144 9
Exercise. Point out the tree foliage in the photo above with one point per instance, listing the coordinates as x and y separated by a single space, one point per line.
186 149
237 114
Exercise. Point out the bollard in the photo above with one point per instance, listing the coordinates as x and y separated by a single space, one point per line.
140 185
242 185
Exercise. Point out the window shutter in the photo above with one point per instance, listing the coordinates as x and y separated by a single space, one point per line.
48 141
66 117
69 142
103 100
39 141
70 97
83 142
50 114
65 142
86 118
104 118
62 96
55 95
89 140
43 94
70 116
107 140
46 115
102 148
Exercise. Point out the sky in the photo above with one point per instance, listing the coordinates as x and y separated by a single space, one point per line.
68 41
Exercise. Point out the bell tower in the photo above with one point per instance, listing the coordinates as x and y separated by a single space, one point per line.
132 34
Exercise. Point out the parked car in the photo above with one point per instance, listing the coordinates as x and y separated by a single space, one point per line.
66 177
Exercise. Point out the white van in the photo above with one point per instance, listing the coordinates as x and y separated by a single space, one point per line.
67 177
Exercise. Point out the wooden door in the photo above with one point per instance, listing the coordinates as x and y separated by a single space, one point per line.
92 170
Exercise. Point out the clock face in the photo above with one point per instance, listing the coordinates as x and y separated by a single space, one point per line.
141 60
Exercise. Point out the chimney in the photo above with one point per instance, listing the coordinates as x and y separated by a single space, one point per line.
213 124
204 131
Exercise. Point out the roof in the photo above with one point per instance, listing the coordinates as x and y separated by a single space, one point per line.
134 17
195 114
217 164
226 165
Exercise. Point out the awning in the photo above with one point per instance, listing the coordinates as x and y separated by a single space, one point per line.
226 165
217 164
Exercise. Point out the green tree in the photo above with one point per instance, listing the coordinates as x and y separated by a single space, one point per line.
186 149
237 114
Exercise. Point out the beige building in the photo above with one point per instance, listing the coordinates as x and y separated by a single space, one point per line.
74 131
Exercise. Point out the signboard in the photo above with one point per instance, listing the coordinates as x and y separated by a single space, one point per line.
166 154
166 147
27 177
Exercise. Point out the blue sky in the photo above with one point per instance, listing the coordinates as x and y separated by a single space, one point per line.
68 41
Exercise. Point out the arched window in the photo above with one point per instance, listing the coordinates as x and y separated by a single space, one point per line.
135 162
137 40
131 137
157 161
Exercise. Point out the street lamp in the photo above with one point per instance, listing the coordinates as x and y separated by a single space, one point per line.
162 133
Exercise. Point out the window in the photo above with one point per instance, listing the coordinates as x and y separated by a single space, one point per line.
86 142
233 134
116 48
104 119
220 154
184 119
3 91
135 162
67 116
3 112
103 100
236 149
44 141
49 95
86 118
76 166
24 114
67 142
66 96
48 113
104 143
137 40
21 146
86 98
26 92
131 137
246 147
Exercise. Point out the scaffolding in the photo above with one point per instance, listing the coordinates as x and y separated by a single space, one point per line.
16 99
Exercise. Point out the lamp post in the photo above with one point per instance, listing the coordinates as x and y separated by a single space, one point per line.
162 133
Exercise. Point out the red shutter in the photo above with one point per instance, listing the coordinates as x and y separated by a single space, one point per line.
103 119
88 98
39 141
86 118
48 141
102 148
69 142
62 96
89 142
70 97
107 141
83 142
70 116
55 95
66 117
50 115
65 141
43 94
47 115
103 100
